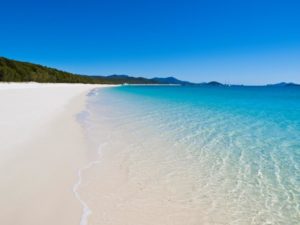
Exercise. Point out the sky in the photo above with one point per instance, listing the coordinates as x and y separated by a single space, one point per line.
237 42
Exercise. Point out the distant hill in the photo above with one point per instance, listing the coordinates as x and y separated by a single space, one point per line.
212 83
121 79
16 71
283 84
170 80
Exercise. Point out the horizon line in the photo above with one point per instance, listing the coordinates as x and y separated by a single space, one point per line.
168 76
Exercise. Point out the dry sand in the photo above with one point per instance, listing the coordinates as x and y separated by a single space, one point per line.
42 148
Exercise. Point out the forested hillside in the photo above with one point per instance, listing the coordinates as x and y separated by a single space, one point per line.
16 71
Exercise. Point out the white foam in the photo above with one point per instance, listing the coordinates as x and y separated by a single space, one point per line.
86 211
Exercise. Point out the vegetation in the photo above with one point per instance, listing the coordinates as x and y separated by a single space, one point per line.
15 71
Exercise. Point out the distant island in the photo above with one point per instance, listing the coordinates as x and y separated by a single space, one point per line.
17 71
283 84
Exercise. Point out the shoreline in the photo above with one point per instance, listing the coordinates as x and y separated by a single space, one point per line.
41 157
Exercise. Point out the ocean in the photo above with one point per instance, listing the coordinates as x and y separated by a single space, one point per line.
188 155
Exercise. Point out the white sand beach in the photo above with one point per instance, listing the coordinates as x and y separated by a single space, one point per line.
42 148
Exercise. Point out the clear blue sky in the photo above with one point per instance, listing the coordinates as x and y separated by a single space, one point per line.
251 42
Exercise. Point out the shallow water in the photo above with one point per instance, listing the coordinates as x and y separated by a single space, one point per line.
193 155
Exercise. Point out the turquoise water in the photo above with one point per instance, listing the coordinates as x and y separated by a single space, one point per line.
201 155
